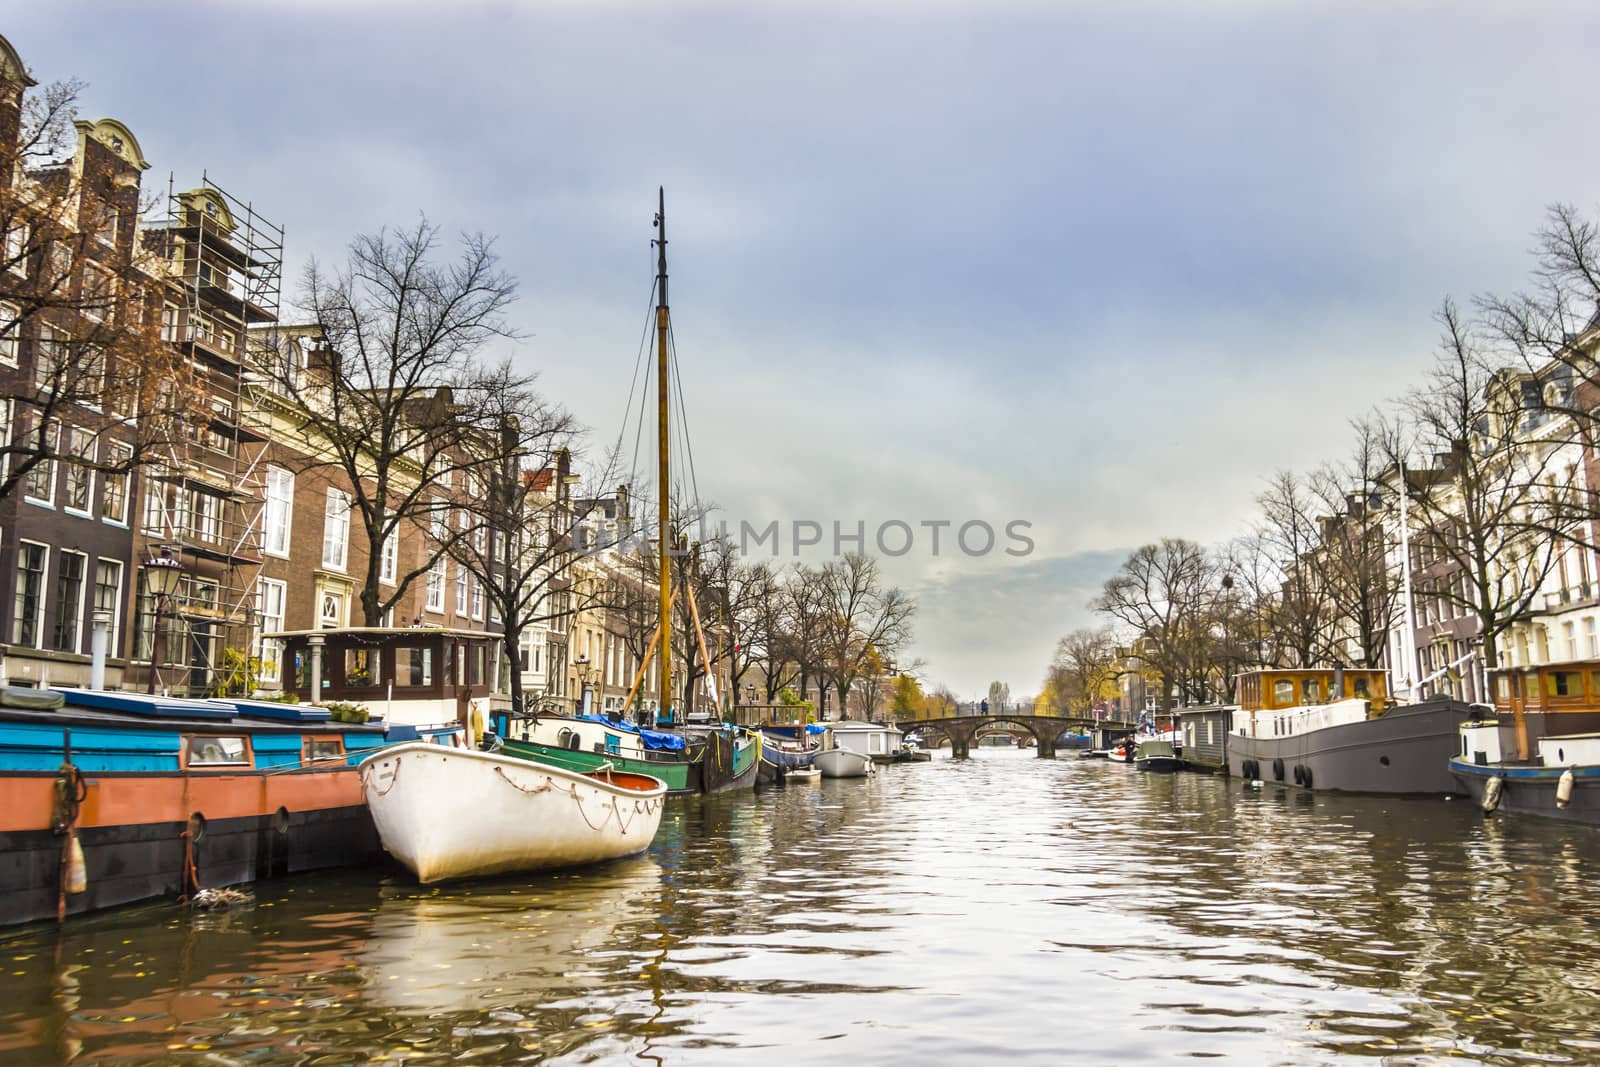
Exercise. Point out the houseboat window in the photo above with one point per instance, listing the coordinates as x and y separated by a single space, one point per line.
325 749
361 667
1594 683
1311 690
1561 684
1283 692
475 661
875 743
413 666
218 752
1362 688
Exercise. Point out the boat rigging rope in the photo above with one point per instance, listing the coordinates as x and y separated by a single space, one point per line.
369 771
623 822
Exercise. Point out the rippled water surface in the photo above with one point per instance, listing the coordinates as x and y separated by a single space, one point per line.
1043 911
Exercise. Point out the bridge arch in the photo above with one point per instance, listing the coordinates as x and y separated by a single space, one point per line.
962 730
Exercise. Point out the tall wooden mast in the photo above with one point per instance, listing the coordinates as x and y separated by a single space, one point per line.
663 485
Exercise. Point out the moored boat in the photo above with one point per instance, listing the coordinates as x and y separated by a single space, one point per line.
1331 729
134 797
843 763
1158 756
449 814
1538 753
690 760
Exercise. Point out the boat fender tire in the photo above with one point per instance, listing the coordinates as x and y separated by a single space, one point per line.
1305 773
1299 774
1277 769
1248 769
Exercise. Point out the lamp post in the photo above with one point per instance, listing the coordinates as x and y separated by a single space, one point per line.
161 575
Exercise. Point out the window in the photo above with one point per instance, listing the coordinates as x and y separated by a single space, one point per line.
95 293
477 600
389 558
413 666
114 507
1311 690
436 586
218 752
68 631
330 613
10 331
1563 684
269 604
78 478
206 515
90 387
1570 632
40 484
461 591
169 323
155 509
26 613
108 597
52 357
106 218
324 750
1592 639
1283 692
280 506
336 529
361 667
16 248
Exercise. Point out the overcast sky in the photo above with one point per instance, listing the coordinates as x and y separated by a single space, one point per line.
1099 267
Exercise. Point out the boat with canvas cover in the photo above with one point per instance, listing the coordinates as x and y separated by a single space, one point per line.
109 798
690 760
1158 755
450 814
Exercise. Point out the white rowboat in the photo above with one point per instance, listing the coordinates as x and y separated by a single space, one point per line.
843 763
454 813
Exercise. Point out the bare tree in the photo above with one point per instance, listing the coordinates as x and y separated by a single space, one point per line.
1290 531
1485 510
860 617
1084 662
1164 594
404 332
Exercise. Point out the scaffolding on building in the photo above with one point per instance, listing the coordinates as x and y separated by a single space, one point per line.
206 501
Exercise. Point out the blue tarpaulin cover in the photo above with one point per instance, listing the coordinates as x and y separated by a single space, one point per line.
815 728
662 742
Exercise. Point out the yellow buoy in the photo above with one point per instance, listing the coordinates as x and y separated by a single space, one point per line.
1564 788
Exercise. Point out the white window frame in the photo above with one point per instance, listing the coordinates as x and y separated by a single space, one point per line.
477 599
10 340
389 558
277 522
52 432
461 591
80 445
16 248
113 630
44 594
76 644
436 579
270 650
336 530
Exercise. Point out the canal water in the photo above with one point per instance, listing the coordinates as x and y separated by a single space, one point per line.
956 913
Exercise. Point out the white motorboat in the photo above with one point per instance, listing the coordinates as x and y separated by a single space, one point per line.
453 813
843 763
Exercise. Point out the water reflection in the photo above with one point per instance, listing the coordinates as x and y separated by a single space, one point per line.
955 912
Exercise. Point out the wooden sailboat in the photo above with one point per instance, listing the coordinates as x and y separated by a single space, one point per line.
689 759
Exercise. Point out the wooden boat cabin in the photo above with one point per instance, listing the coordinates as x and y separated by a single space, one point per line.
1284 703
1543 715
416 676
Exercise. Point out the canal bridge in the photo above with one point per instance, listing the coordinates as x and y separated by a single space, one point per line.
963 730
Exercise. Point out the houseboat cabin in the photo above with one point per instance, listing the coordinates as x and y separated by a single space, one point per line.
877 740
1284 703
1543 714
414 676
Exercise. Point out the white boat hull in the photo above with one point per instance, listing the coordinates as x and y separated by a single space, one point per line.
453 813
843 763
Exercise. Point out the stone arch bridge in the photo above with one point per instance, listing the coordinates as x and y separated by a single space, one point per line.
962 730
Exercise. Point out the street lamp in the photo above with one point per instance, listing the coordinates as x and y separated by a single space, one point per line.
161 575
